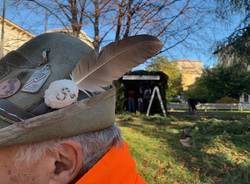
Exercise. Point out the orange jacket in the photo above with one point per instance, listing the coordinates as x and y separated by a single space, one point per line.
116 167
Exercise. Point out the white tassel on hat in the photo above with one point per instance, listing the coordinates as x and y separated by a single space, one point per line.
61 93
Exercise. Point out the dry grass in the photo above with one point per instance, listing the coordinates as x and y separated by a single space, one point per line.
220 151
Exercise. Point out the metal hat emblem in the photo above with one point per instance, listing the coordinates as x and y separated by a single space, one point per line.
37 79
9 87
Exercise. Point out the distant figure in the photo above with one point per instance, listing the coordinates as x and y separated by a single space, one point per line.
146 97
192 104
140 100
140 104
131 101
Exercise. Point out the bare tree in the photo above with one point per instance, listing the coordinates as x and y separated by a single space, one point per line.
110 20
69 13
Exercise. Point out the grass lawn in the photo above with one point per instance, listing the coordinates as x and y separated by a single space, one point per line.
220 151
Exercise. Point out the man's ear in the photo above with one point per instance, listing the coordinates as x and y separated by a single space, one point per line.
67 163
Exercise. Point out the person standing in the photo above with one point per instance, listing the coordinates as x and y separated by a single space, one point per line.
131 100
146 97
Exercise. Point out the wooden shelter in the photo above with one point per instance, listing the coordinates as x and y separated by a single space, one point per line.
140 85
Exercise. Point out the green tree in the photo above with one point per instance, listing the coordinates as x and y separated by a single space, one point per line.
220 82
237 44
171 70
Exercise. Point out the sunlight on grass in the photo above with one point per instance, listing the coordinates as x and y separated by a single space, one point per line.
220 151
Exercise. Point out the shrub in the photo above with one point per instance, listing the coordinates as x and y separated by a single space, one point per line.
227 99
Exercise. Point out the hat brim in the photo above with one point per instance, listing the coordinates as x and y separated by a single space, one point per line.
88 115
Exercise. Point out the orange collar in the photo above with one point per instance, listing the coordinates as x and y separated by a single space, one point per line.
116 167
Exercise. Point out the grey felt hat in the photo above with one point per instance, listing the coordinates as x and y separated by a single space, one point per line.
26 73
65 53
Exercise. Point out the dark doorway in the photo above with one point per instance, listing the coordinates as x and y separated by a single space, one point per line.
138 87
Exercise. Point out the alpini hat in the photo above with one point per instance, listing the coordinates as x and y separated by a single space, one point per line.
56 86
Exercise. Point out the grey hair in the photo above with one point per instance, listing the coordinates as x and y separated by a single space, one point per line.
94 146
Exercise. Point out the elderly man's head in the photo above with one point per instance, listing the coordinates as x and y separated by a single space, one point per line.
57 161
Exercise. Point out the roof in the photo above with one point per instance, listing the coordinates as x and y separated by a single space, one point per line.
145 75
21 29
187 60
189 65
141 77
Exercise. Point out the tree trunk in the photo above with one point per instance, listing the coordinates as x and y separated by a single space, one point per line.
129 18
119 19
96 26
74 22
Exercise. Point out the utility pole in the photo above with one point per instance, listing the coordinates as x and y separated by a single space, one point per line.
46 21
2 31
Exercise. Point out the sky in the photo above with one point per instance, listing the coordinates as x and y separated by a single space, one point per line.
208 36
199 46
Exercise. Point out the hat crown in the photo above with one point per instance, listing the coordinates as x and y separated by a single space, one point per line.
65 53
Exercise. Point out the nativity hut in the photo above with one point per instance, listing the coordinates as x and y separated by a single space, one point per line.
136 88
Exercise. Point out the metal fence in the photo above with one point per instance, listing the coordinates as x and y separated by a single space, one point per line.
210 106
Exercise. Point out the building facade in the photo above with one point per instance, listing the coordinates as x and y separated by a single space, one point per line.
190 71
14 36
